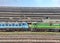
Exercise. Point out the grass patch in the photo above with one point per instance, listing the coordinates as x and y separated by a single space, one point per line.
29 33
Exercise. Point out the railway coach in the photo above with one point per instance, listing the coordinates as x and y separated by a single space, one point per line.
12 26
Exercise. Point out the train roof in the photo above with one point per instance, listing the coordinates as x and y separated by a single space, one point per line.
13 22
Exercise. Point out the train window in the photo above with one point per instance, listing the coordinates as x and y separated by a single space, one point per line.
2 24
23 24
9 24
13 24
16 24
6 24
34 24
19 24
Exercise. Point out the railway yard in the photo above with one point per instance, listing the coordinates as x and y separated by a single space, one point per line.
29 37
14 15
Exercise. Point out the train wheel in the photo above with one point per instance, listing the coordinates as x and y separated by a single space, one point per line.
56 30
7 30
29 29
59 30
50 30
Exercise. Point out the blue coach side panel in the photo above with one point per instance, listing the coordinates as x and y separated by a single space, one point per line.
25 25
14 25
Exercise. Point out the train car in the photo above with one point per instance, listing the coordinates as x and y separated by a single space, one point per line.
13 26
45 27
55 27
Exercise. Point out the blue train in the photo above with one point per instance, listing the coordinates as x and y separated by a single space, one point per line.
13 25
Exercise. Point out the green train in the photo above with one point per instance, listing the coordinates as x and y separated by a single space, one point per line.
54 27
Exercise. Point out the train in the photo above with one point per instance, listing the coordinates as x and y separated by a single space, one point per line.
47 27
33 27
13 26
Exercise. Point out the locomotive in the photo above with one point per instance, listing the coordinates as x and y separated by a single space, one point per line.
48 27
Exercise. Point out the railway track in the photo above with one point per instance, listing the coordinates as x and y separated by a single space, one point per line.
30 38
